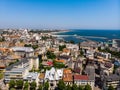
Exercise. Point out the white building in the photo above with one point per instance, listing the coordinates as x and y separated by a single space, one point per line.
90 54
103 55
23 51
33 63
53 76
32 76
116 43
83 80
37 37
20 69
73 47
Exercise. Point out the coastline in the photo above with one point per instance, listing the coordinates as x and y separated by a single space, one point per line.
81 35
60 31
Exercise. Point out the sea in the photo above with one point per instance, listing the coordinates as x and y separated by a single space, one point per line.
94 35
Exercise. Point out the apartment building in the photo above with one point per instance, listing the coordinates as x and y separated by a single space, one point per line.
116 43
16 71
112 79
102 55
53 76
23 51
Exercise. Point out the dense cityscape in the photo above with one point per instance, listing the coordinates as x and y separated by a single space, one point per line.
39 60
59 44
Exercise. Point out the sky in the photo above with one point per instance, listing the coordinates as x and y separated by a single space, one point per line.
60 14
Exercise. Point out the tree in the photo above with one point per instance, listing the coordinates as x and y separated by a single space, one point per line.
27 45
12 89
40 66
44 38
111 88
81 52
87 87
12 84
26 85
1 75
33 85
80 88
40 58
71 41
50 55
74 87
61 85
68 87
99 48
61 47
46 86
40 87
2 39
19 84
34 46
58 64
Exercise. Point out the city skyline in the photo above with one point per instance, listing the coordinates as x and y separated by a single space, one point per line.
60 14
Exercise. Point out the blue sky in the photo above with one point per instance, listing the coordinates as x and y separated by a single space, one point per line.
63 14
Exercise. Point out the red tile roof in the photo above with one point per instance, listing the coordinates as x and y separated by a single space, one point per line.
68 77
80 77
67 71
50 63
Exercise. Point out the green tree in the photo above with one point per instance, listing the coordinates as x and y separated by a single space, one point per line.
71 41
44 38
2 39
80 87
68 87
81 53
40 87
12 89
1 75
46 86
74 87
58 64
61 47
61 85
19 84
87 87
27 45
41 66
99 48
34 46
26 85
33 85
12 84
111 88
50 55
40 58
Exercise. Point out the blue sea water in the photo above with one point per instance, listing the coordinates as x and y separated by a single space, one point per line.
95 35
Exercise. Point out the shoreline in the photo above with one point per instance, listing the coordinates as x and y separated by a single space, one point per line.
61 31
